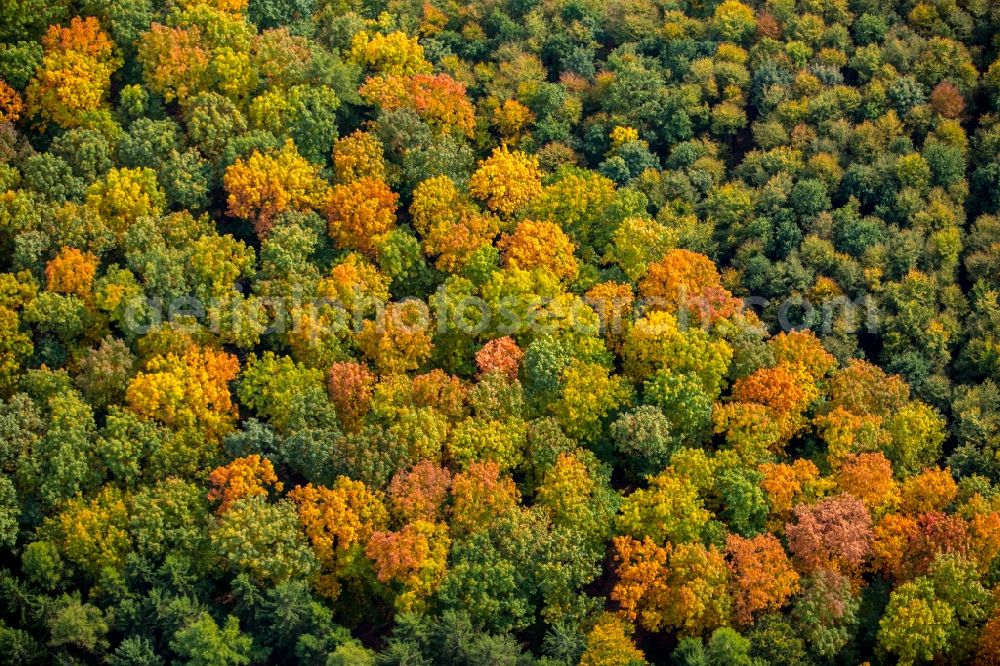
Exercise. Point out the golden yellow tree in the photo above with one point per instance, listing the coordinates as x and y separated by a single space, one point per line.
507 180
338 522
265 185
71 272
360 213
540 245
75 75
187 391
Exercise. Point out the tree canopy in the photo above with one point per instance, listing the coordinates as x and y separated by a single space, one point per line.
543 332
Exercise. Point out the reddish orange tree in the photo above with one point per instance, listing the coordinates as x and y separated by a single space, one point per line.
350 386
421 492
762 575
415 556
834 534
500 355
11 104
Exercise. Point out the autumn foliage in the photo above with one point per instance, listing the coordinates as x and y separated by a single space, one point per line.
360 213
539 245
75 74
242 478
503 333
506 181
438 99
265 186
688 281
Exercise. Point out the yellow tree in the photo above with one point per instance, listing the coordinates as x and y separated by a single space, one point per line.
93 533
356 285
749 429
15 347
188 391
392 54
356 156
610 643
846 434
506 181
265 185
589 394
338 522
540 245
124 195
668 510
399 340
657 342
450 226
75 75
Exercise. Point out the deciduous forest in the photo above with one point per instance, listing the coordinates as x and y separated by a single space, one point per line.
499 332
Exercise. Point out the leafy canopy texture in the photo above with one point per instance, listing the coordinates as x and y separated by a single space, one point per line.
548 332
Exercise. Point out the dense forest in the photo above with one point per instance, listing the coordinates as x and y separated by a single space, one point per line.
499 332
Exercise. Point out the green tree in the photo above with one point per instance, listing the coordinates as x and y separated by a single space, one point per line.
916 625
263 540
202 642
